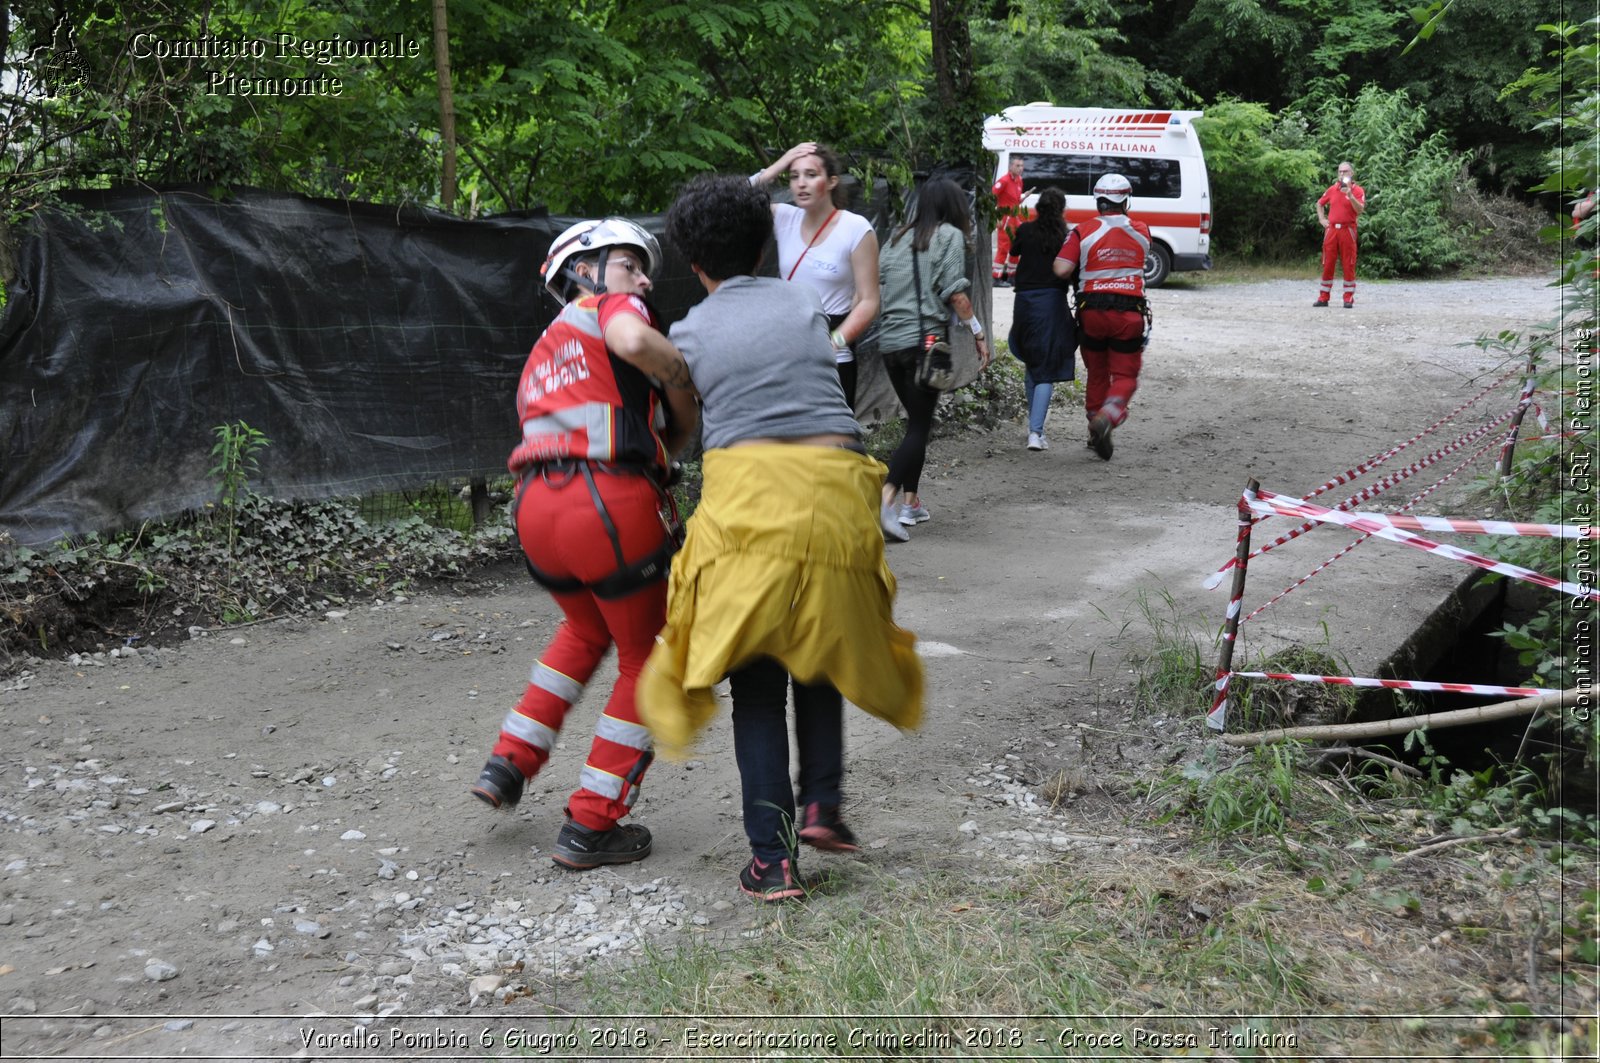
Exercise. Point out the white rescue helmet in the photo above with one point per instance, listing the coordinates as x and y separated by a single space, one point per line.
587 237
1114 188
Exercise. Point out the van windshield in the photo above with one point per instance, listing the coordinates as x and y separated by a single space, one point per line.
1076 175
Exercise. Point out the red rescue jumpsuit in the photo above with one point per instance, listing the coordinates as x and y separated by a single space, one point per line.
1008 203
1339 241
577 402
1109 251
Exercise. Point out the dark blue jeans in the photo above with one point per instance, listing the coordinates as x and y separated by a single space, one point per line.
761 747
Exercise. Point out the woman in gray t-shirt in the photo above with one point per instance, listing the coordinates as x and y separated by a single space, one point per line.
782 573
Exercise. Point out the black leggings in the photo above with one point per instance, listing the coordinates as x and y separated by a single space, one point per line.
847 370
905 464
847 380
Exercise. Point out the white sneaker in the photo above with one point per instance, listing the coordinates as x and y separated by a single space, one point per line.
1036 441
916 514
889 521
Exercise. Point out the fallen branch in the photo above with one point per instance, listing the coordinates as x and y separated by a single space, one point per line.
1367 754
1488 836
1548 703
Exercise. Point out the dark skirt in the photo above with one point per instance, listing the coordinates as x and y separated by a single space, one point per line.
1043 335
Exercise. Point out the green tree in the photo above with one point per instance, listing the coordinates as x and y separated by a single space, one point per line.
592 107
1294 54
1064 51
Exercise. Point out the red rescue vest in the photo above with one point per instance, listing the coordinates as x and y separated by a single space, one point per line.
1111 254
577 400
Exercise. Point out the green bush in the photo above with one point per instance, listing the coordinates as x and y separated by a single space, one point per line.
1407 171
1260 166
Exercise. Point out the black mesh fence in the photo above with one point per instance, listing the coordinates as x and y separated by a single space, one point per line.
377 348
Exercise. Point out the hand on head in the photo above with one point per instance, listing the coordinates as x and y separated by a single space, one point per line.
799 151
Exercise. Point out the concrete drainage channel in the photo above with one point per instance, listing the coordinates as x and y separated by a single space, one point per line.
1456 644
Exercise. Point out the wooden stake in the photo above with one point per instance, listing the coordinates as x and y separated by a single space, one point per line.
1217 718
1516 422
1552 704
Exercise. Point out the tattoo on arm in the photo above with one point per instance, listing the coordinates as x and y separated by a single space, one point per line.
676 375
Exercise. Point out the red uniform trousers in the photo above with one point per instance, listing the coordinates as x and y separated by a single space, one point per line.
1338 242
1004 261
1113 376
561 532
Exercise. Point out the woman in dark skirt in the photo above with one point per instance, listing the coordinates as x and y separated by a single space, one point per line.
1042 336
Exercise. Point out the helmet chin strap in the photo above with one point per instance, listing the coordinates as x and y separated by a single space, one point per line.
596 284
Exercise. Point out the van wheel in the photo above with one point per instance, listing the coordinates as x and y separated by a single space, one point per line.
1157 264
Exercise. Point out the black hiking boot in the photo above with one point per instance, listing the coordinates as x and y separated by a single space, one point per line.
499 784
579 849
1100 437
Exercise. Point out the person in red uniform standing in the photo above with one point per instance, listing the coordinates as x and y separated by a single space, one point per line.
1008 195
1107 254
604 402
1337 212
1581 210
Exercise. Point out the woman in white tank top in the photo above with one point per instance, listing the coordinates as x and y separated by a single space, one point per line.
832 250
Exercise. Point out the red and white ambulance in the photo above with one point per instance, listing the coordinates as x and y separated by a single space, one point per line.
1071 148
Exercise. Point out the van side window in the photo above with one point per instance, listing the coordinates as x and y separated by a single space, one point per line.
1076 175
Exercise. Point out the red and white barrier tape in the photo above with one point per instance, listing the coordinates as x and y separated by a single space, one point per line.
1267 502
1485 527
1364 536
1372 463
1217 718
1402 684
1365 494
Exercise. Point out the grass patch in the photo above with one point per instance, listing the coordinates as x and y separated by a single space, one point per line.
266 559
1175 664
1212 949
1229 269
1260 704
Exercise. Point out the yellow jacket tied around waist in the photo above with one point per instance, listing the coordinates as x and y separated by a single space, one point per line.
783 559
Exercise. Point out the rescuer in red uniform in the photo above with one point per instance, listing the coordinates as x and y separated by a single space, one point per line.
604 402
1337 212
1107 254
1008 195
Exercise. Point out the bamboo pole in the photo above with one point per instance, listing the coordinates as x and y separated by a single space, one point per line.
1217 718
1552 704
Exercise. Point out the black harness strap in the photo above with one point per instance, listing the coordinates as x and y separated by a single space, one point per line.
1113 301
627 578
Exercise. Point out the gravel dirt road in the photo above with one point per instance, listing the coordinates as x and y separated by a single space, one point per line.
233 845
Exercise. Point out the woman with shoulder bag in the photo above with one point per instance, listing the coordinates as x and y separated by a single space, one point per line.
922 278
